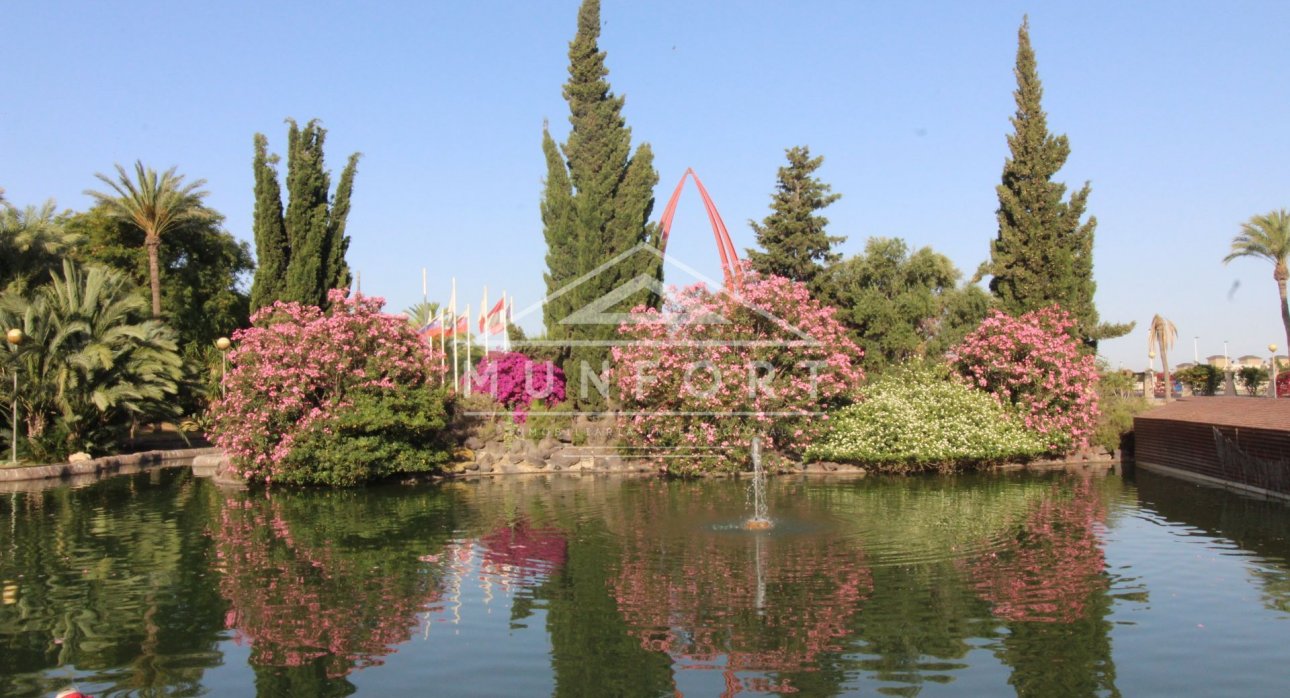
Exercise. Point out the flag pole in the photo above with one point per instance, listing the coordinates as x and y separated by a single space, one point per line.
443 352
425 296
453 318
468 343
483 320
506 319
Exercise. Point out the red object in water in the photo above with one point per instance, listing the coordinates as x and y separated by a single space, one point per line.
730 267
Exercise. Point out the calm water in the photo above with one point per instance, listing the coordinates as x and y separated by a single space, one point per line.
162 584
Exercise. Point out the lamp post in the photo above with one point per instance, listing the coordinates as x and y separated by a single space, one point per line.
15 337
1272 349
1195 349
222 344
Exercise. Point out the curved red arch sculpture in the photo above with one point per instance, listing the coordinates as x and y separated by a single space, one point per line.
730 267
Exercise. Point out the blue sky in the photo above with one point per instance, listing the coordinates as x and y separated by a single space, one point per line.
1177 113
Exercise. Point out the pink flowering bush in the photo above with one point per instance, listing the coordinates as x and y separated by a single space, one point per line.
699 379
1034 364
516 381
333 397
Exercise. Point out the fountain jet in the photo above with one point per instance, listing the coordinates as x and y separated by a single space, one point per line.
761 515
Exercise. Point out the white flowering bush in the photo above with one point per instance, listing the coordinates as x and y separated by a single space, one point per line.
920 418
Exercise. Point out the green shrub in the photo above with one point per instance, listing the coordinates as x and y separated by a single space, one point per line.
550 421
1203 379
1252 378
919 418
93 365
383 432
1119 404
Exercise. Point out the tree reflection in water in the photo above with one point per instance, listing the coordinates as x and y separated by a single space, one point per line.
320 583
1052 564
738 602
1049 584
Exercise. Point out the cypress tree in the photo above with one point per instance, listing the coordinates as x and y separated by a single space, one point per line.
557 226
1044 253
313 226
793 237
271 248
596 204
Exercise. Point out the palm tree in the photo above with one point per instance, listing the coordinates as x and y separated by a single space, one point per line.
155 204
33 243
421 314
1162 336
1268 236
95 363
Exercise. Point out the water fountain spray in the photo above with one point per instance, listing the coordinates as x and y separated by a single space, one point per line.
761 514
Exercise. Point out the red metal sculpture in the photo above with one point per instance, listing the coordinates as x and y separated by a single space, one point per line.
730 267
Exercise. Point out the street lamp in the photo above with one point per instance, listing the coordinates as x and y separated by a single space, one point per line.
222 344
1272 349
15 337
1195 349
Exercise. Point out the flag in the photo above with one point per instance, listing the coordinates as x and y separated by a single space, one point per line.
493 322
432 329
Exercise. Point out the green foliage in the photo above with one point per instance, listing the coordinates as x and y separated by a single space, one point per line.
549 421
383 432
204 269
595 206
271 247
420 314
900 306
33 242
1044 253
156 205
1252 378
94 362
301 252
919 418
1118 403
1203 379
796 246
1268 237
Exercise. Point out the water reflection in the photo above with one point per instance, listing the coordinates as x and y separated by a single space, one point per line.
735 601
108 586
162 584
305 591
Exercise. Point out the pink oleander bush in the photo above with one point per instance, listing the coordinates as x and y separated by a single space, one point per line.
699 379
517 381
330 397
1035 365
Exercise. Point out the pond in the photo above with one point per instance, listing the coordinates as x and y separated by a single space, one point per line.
1034 584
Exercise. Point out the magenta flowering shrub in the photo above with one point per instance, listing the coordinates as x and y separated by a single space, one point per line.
517 381
334 396
697 380
1034 364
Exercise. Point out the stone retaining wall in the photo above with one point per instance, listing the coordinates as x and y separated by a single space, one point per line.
99 466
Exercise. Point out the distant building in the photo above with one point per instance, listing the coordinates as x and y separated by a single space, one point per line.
1217 361
1250 360
1183 366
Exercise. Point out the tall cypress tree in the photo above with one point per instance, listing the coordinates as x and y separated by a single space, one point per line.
596 203
271 247
301 251
793 237
1044 252
557 226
